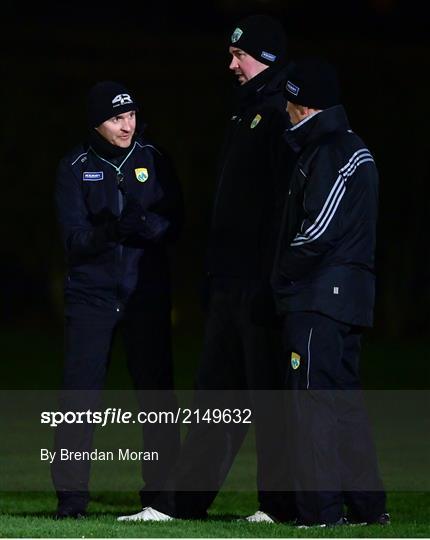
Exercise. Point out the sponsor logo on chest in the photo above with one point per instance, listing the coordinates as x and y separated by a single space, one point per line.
93 176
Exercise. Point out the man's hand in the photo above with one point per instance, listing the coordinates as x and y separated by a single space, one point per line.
132 218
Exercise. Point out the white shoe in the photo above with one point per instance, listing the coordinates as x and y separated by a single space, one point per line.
259 517
147 514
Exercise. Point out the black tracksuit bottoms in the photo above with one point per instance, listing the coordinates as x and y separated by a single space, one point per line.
89 333
333 451
240 368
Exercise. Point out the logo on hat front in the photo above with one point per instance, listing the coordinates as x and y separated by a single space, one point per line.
236 35
141 174
121 99
293 88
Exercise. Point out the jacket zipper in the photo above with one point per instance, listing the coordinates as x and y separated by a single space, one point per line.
120 248
119 179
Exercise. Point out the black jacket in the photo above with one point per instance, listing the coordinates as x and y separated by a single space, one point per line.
251 179
325 253
101 272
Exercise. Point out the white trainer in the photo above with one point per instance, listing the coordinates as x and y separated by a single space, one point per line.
147 514
260 517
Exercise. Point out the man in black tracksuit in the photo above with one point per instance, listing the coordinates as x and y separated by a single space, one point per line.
119 206
241 343
324 284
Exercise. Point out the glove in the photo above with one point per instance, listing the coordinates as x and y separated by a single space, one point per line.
131 221
134 219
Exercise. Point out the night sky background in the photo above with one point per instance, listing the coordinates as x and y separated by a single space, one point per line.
174 57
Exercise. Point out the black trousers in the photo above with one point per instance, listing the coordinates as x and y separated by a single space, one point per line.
333 451
88 338
240 367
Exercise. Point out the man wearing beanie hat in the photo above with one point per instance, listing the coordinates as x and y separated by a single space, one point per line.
257 42
323 280
241 350
119 206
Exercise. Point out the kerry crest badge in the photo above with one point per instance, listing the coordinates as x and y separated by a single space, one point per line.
142 174
295 360
236 35
255 121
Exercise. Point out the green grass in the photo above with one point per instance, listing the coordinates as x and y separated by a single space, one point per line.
29 515
33 360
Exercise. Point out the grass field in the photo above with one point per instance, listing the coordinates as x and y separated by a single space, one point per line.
33 361
28 515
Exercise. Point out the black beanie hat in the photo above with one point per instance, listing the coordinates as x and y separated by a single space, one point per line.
107 99
262 37
313 83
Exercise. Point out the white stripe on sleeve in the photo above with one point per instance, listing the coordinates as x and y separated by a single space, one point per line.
333 200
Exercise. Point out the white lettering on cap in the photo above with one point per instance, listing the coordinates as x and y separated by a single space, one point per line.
121 99
268 56
293 88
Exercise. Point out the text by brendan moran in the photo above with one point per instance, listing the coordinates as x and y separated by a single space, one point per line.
122 454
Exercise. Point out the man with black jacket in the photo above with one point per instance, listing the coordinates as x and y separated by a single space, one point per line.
119 205
324 282
241 354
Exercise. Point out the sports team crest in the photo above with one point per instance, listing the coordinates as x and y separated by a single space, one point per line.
295 360
142 174
255 121
236 35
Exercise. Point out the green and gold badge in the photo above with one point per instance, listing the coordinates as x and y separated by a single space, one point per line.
142 174
255 121
295 360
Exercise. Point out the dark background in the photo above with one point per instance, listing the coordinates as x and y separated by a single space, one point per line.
174 57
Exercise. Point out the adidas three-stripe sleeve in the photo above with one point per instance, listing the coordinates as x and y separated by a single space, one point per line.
321 227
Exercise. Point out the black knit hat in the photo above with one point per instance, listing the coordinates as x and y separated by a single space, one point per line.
262 37
107 99
313 83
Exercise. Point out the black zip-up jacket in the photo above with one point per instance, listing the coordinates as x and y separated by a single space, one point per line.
126 274
326 247
251 179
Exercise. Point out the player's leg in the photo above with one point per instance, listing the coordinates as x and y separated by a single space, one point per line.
265 372
210 448
363 490
313 352
147 341
88 338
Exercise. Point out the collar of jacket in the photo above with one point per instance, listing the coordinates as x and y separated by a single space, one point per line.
314 127
110 151
266 84
105 149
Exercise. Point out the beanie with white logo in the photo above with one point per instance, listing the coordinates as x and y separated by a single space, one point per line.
107 99
313 82
262 37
